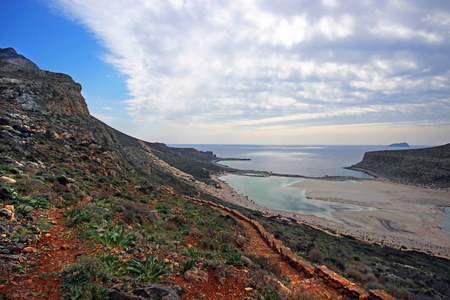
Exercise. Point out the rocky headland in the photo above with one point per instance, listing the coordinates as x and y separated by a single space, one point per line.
427 167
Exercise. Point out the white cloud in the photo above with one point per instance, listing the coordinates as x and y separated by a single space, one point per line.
249 62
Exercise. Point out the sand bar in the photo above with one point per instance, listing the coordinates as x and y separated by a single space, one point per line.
409 217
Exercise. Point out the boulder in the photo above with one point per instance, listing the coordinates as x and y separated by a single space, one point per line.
157 291
196 275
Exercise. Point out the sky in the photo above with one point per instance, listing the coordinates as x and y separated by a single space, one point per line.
249 72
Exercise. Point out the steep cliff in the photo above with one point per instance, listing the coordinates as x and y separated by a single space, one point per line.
41 91
428 167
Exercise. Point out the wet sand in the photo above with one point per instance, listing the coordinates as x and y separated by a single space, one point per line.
409 219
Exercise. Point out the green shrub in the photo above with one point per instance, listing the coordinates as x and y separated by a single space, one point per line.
77 216
39 203
86 269
192 252
234 258
149 270
85 292
115 236
189 264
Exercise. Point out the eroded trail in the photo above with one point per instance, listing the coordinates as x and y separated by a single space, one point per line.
298 281
42 263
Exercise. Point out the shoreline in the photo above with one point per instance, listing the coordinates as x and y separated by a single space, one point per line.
408 224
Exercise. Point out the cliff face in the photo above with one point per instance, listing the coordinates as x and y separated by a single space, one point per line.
41 91
429 167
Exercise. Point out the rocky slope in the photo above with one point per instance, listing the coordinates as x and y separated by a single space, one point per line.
428 167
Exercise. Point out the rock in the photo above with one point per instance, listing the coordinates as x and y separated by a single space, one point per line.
199 295
157 291
241 241
29 250
196 275
3 228
180 289
7 180
7 213
246 261
4 193
63 180
119 295
11 56
220 275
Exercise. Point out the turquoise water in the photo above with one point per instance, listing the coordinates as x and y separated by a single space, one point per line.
276 193
446 224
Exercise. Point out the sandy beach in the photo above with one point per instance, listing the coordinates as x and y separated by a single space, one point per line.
409 217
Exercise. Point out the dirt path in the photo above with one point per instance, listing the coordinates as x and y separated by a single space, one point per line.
298 281
38 277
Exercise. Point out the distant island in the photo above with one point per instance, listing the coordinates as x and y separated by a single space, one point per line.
403 145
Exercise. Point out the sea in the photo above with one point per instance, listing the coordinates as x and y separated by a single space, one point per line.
306 160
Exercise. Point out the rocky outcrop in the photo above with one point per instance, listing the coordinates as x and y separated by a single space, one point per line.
40 91
10 55
428 167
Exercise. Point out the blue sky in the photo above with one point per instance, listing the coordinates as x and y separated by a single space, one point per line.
249 72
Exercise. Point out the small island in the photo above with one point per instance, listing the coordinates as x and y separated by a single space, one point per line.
402 145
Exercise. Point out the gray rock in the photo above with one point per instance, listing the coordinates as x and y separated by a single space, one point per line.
158 291
180 289
196 275
246 261
119 295
241 241
10 55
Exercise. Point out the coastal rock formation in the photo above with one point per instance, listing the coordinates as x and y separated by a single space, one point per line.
10 55
428 167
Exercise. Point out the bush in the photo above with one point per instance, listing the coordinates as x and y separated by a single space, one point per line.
189 264
85 292
355 274
115 236
234 258
77 216
316 255
86 269
149 270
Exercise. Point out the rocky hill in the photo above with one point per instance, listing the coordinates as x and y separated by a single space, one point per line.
88 212
10 55
424 167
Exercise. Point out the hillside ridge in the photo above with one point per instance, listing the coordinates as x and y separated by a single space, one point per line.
428 167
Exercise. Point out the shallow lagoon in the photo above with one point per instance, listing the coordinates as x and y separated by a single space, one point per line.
276 193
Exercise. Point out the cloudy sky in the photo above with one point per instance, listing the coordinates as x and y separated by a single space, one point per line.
253 71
